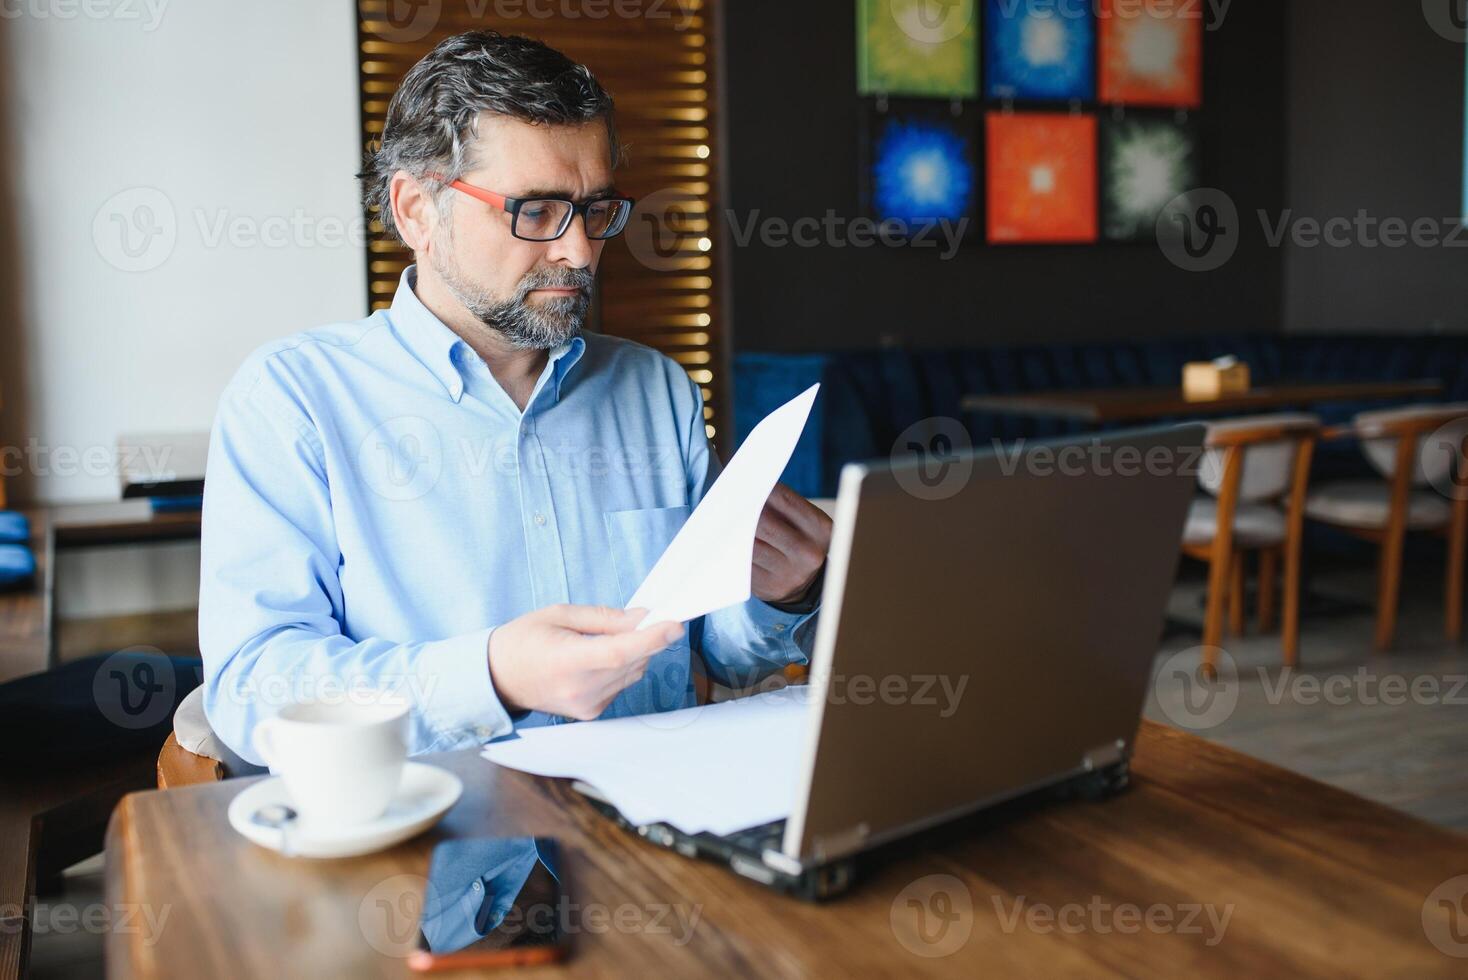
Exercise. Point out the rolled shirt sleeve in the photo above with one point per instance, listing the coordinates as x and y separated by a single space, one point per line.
271 604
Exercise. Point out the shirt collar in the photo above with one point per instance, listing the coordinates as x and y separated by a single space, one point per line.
435 345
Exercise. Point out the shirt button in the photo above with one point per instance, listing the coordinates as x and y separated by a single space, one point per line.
483 731
540 519
779 627
479 886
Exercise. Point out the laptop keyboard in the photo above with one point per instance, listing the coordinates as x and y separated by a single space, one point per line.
758 839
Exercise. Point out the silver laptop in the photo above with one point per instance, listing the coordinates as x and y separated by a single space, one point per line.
987 630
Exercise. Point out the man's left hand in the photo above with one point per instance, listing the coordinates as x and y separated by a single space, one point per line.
790 546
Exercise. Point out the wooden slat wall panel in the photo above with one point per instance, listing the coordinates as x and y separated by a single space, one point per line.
658 66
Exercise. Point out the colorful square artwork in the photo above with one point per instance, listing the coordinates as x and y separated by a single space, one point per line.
1042 177
923 167
926 48
1146 162
1151 52
1039 49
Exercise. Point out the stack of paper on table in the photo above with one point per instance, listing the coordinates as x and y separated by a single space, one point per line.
718 768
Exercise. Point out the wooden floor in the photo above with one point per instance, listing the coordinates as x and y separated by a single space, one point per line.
1347 716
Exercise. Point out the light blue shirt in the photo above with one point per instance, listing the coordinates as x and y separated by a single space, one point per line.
375 505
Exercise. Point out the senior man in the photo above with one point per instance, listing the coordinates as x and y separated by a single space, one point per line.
453 498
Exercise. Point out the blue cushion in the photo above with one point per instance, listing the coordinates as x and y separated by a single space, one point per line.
869 396
14 528
17 567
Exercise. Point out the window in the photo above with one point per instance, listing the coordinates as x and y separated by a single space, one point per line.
658 284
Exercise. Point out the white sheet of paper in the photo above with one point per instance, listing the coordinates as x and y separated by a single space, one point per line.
709 563
718 767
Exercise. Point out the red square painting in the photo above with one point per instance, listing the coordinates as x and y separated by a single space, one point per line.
1042 177
1151 52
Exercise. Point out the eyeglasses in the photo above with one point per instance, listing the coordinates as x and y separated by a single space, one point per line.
544 219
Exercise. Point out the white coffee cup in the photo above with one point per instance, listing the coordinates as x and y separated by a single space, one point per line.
341 761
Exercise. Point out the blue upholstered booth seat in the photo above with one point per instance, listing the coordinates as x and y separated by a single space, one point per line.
17 567
869 397
14 528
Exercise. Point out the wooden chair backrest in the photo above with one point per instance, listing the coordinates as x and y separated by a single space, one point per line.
177 766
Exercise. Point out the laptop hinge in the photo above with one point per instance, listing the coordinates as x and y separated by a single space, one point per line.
1104 755
781 861
841 843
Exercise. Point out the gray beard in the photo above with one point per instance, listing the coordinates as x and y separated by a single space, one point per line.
541 326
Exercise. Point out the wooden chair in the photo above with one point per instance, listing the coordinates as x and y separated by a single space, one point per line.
177 766
1420 451
1250 464
186 758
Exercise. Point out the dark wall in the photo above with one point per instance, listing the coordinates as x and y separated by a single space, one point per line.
1376 123
794 125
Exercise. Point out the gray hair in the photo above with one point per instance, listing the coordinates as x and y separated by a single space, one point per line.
432 120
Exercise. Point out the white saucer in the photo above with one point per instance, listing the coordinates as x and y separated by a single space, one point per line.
424 795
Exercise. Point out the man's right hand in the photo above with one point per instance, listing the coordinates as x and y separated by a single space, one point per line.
573 660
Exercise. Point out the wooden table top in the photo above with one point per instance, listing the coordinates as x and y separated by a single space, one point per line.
1213 863
1143 404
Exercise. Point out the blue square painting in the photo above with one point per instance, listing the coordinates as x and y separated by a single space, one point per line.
923 167
1040 50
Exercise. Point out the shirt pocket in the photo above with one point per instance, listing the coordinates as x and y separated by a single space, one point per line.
637 539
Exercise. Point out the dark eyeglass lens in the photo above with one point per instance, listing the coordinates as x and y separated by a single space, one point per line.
606 218
541 220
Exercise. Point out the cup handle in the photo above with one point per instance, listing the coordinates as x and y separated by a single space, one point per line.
264 746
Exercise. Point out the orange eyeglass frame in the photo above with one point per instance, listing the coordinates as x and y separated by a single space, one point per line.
512 206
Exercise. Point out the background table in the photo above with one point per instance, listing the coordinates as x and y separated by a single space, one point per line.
28 619
1321 883
1147 404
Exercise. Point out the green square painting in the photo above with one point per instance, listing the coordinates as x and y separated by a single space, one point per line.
924 48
